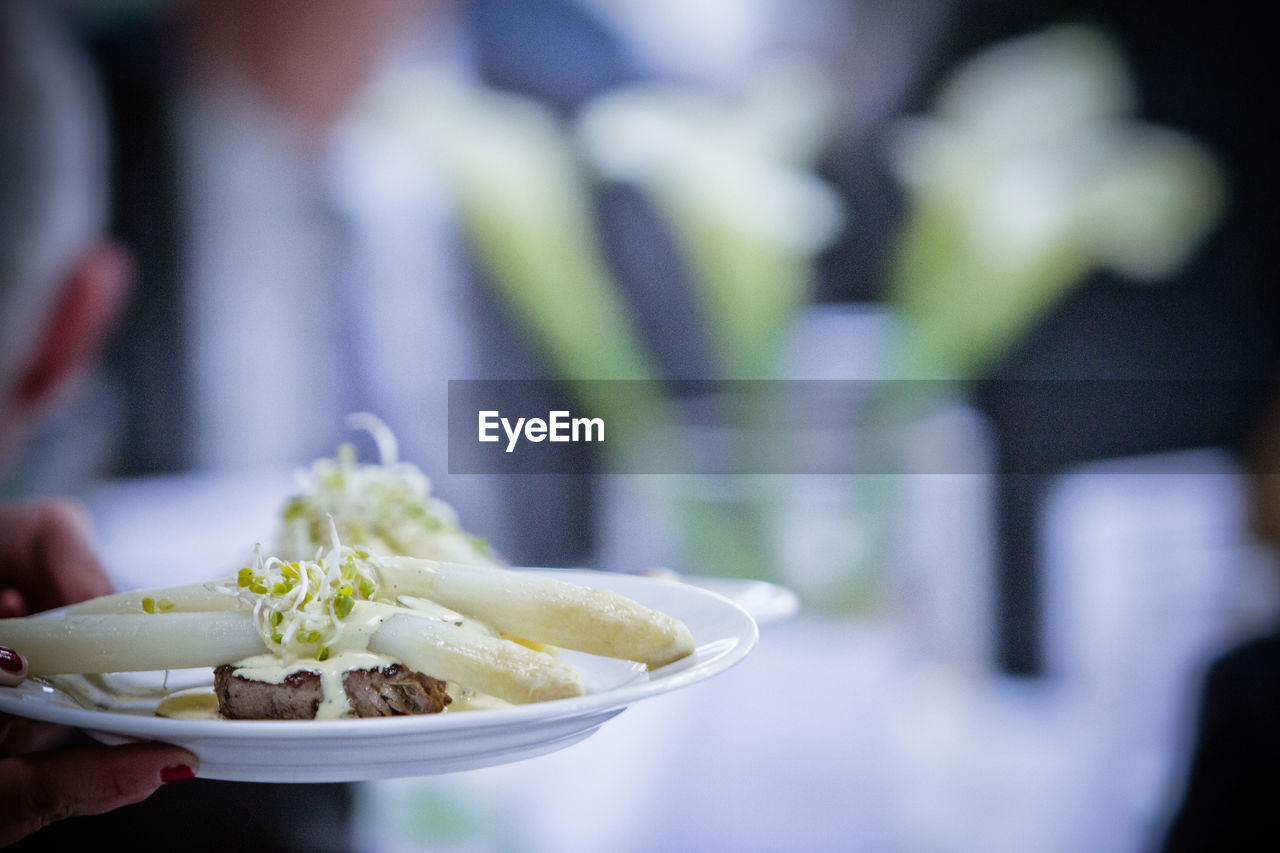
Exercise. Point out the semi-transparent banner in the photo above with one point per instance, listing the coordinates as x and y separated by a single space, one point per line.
845 426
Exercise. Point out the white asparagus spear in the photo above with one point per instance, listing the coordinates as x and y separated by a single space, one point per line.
131 642
490 665
594 621
191 598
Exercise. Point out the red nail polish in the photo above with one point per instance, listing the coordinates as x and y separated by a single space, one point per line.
176 773
10 661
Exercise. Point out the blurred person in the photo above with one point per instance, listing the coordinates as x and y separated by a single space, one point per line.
297 262
60 285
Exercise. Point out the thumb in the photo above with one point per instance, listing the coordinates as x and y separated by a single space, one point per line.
38 789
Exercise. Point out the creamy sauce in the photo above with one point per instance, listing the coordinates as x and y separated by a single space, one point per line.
465 699
196 703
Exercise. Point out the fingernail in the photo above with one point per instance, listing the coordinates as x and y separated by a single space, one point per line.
176 773
11 661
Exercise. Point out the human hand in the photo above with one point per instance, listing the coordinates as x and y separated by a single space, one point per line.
46 561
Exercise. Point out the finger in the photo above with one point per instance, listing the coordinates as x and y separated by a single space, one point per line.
37 790
13 667
45 553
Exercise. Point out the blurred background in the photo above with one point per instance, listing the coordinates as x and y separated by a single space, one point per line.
1026 246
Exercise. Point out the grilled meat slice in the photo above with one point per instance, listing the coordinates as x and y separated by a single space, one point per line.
391 691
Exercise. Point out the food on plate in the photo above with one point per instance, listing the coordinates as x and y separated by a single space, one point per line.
353 633
386 507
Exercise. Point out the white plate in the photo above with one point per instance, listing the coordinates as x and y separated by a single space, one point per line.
352 750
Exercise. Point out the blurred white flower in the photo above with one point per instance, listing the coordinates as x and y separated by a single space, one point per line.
732 177
738 160
1031 173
